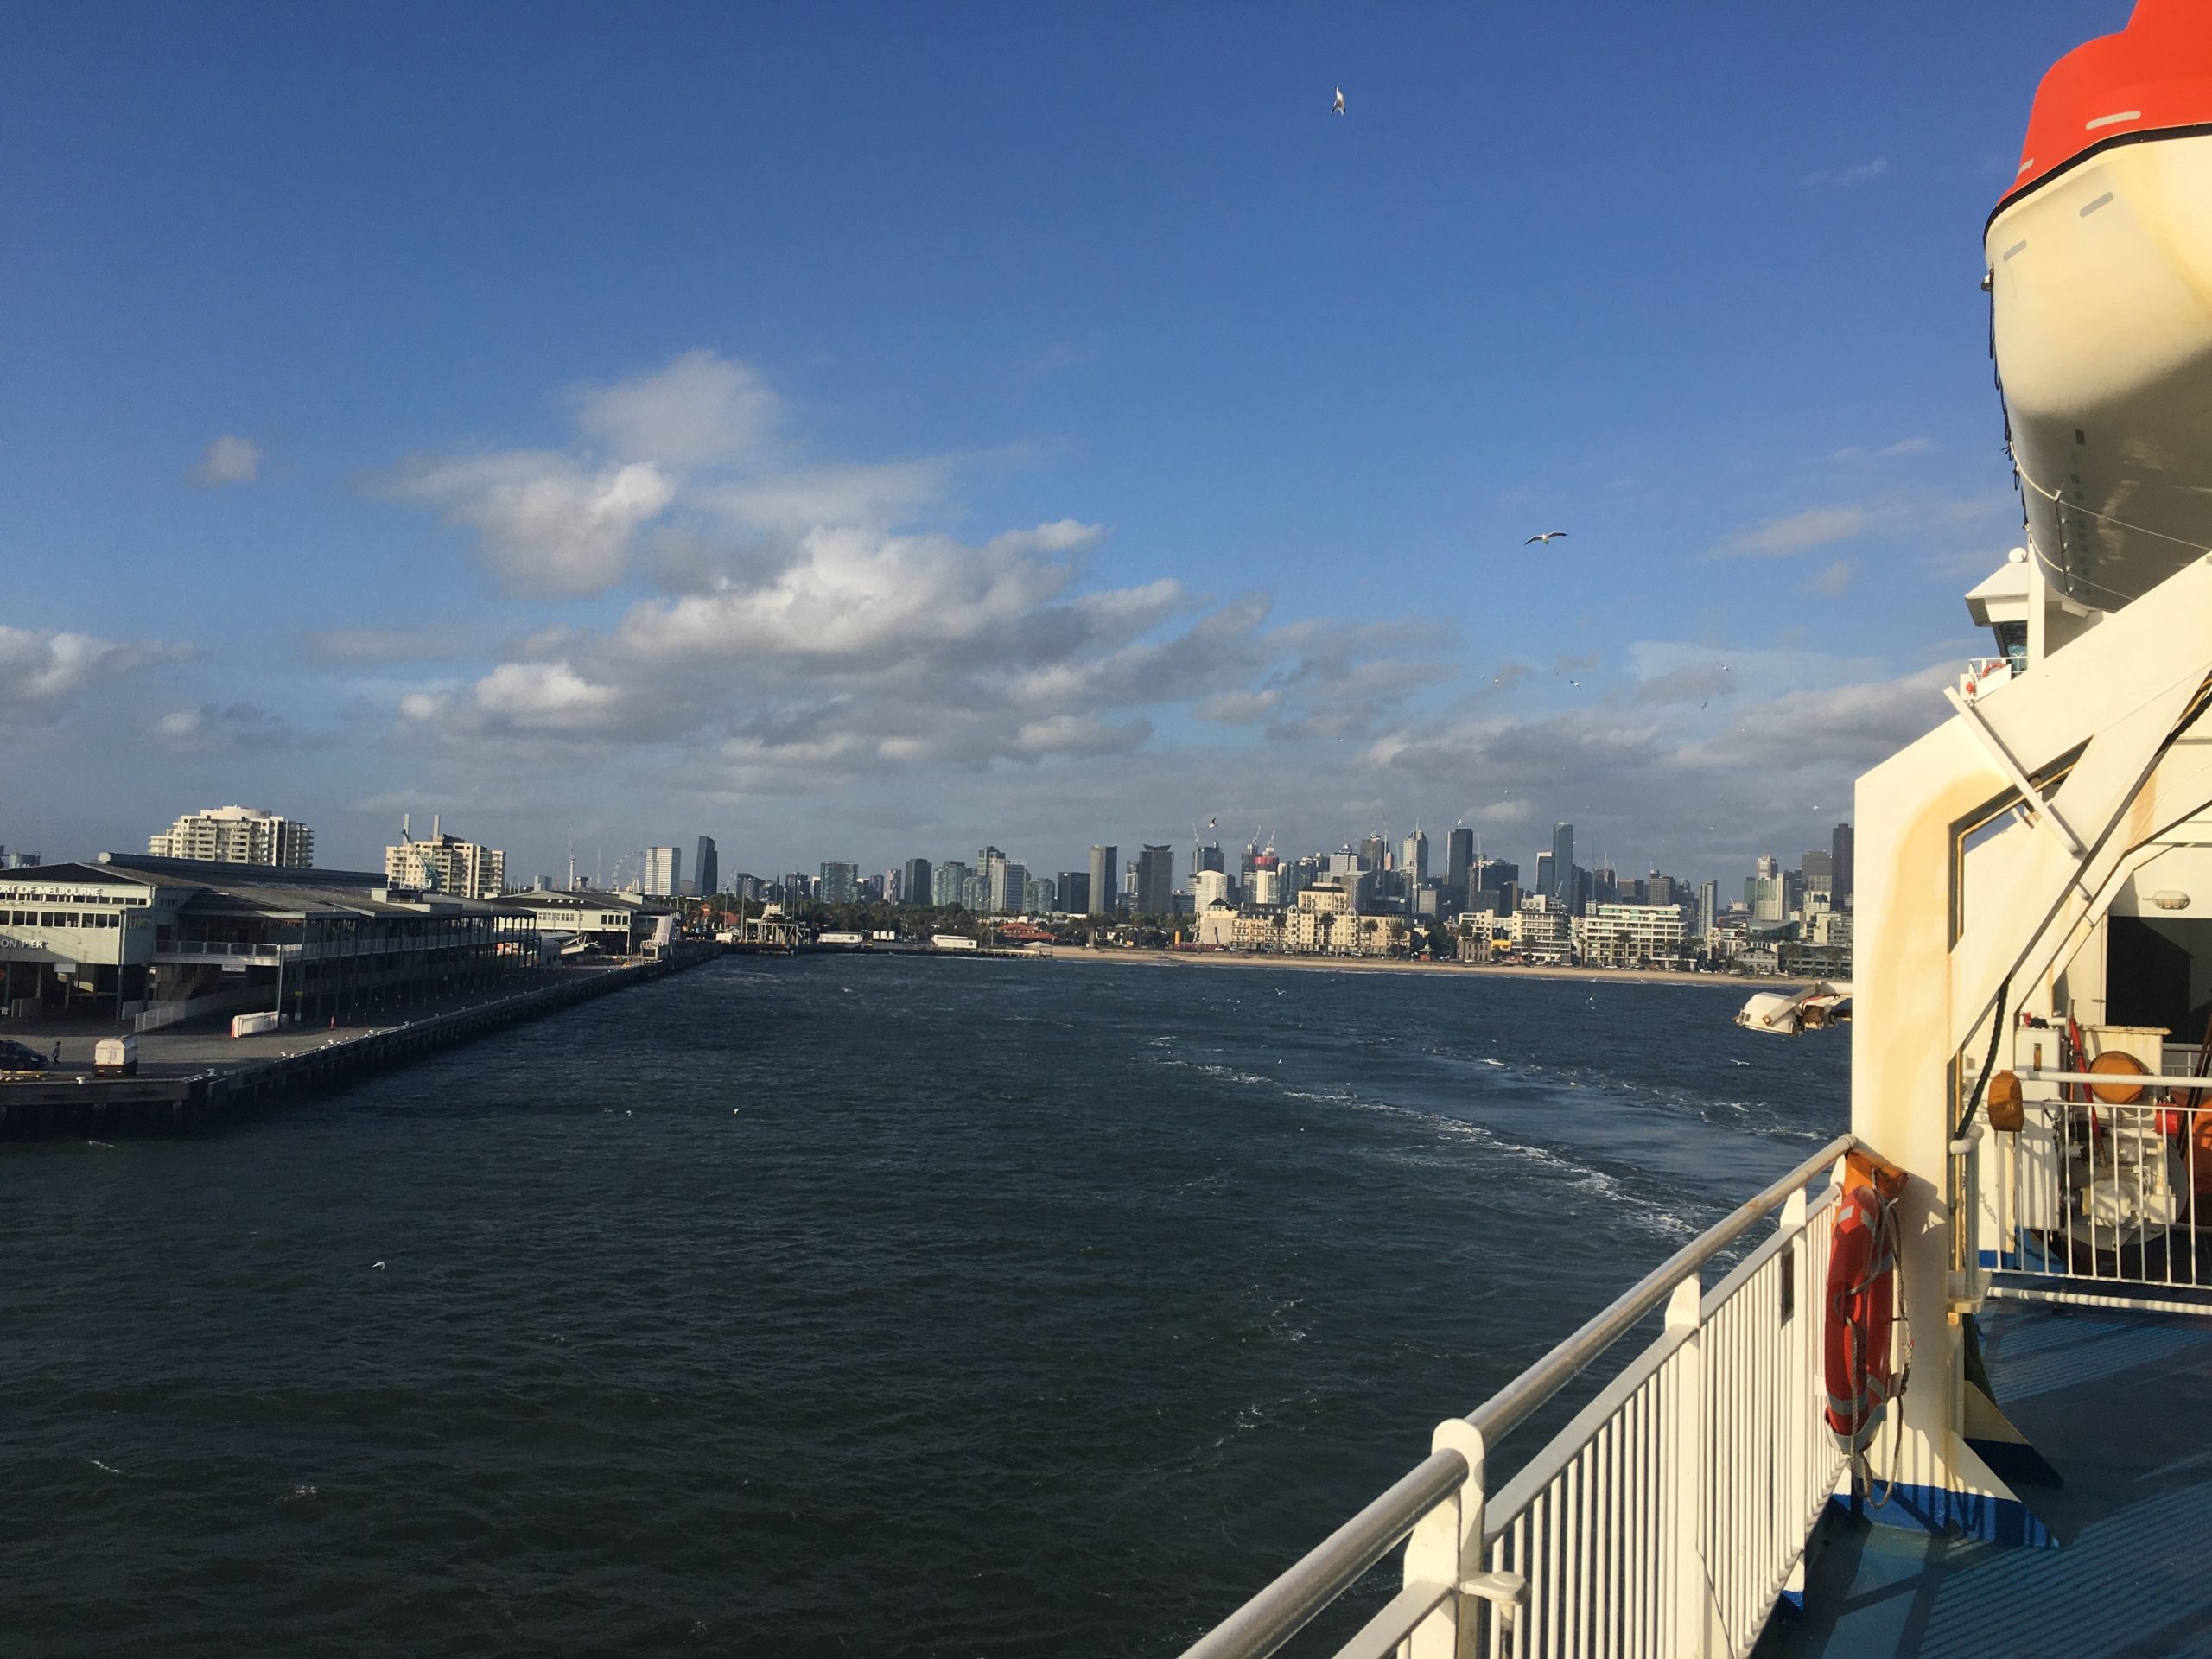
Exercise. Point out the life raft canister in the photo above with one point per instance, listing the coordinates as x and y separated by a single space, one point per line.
1862 1303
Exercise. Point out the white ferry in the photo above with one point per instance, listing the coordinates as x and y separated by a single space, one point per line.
1947 1388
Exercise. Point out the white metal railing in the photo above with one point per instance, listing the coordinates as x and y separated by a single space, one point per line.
1985 674
1665 1518
2096 1194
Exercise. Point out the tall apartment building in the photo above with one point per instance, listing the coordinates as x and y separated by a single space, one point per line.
914 882
707 868
663 876
949 884
237 835
1156 881
445 864
1840 840
1105 879
840 884
1561 886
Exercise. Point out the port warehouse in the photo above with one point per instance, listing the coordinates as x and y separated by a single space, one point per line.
140 937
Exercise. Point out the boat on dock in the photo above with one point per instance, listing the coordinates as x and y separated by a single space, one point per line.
1944 1388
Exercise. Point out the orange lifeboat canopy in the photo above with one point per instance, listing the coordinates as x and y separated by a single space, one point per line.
2154 77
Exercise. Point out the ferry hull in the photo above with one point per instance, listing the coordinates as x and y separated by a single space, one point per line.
2101 322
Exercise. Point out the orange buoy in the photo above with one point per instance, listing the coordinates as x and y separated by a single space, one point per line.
1860 1306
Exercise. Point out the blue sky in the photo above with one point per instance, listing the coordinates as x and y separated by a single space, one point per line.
853 433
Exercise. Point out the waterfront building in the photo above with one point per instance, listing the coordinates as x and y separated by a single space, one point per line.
1840 862
1104 883
619 924
1156 894
663 874
707 868
917 882
1629 936
236 834
949 884
1258 929
840 883
1460 865
1215 925
1322 922
1540 930
164 939
445 863
1073 898
1561 885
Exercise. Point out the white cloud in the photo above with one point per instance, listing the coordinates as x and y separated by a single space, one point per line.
41 666
1833 579
550 527
228 461
211 728
701 407
1887 452
1844 178
1780 537
521 697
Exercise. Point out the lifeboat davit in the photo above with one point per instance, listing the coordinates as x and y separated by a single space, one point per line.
2100 262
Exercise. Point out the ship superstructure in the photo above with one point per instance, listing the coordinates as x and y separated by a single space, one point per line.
1946 1388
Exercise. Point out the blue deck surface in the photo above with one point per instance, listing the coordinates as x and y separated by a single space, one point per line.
2121 1404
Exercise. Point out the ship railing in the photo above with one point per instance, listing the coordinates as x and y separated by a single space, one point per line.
1666 1517
1985 674
2094 1200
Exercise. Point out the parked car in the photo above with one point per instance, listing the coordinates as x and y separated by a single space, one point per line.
21 1057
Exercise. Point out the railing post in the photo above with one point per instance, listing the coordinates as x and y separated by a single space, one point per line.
1799 1352
1690 1476
1447 1548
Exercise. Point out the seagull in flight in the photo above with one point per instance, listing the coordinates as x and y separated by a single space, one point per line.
1337 108
1546 538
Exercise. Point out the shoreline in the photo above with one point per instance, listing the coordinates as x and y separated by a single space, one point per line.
1400 966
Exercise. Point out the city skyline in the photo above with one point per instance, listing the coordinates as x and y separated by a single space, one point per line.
699 536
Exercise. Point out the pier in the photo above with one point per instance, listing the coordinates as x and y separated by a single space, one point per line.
191 1078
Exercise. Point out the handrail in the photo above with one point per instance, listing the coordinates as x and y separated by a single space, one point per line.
1513 1404
1333 1566
1288 1604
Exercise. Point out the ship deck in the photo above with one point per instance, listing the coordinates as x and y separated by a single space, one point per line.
2119 1403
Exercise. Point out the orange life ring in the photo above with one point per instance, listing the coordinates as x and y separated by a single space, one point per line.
1861 1297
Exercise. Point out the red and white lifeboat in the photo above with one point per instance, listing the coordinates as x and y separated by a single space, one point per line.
2100 279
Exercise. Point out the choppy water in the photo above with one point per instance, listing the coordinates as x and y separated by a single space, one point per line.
837 1306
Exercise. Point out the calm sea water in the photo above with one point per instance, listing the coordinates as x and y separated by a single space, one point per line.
837 1306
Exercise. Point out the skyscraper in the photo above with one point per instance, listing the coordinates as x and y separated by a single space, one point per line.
1074 895
1840 850
916 882
663 877
706 869
840 883
1459 864
1415 861
1374 853
1105 879
1709 907
948 884
1562 882
1818 867
1156 881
